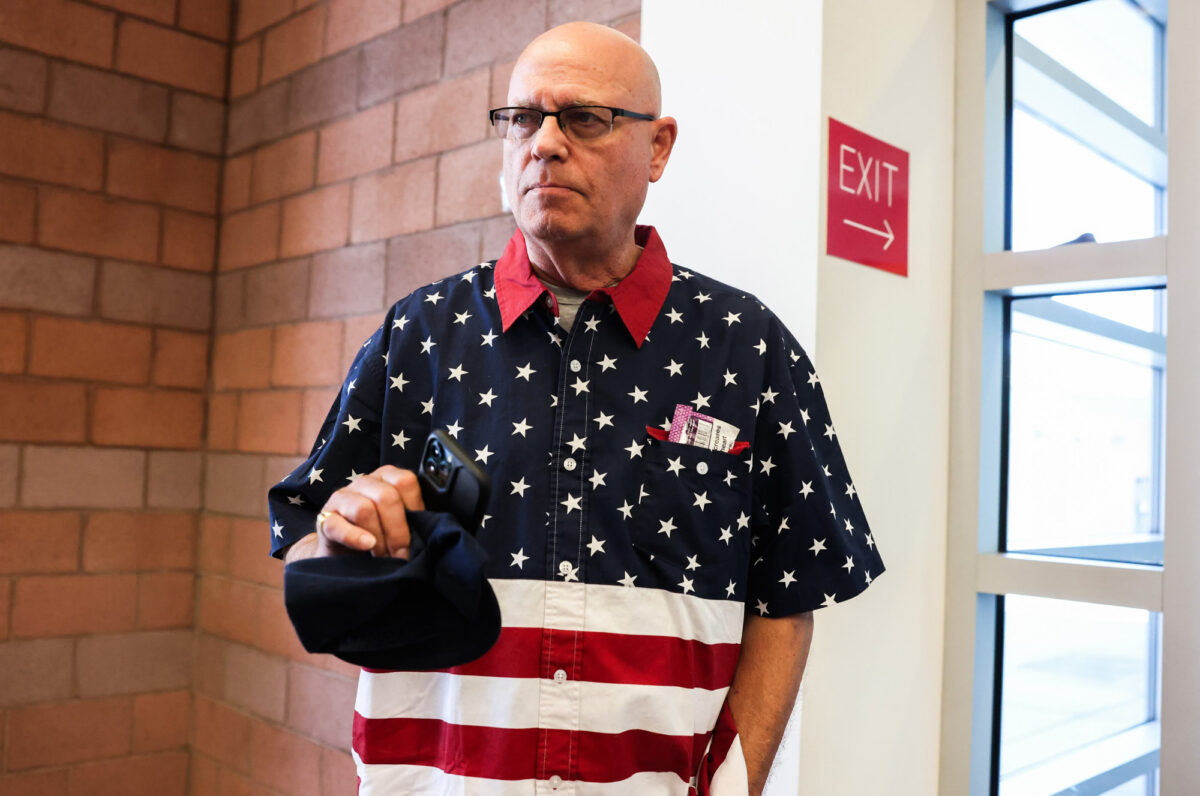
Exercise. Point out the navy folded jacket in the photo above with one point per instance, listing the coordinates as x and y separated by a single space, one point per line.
433 611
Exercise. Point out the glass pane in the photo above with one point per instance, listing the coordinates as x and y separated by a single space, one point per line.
1074 675
1085 419
1062 189
1110 44
1139 786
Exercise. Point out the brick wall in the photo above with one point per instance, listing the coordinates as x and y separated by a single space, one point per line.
112 117
203 212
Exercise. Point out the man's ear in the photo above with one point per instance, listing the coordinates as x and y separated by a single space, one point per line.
665 131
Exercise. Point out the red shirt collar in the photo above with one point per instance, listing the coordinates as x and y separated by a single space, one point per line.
638 297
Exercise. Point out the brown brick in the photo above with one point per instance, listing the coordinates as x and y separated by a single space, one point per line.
214 545
206 17
204 777
234 483
249 237
352 22
148 294
313 410
293 45
604 11
254 15
128 663
501 74
17 203
174 479
268 422
34 671
197 123
66 605
38 542
5 606
248 554
180 359
22 81
160 721
228 609
231 289
90 350
469 183
98 478
277 293
159 10
255 682
323 92
320 704
415 9
222 421
242 360
43 412
259 117
59 27
631 27
73 726
164 774
284 167
243 67
8 485
92 224
49 152
496 233
355 331
347 281
356 145
108 101
417 260
168 56
307 354
163 176
394 202
124 541
189 241
235 189
339 776
283 760
37 279
12 342
166 600
36 783
400 61
482 31
222 733
442 117
316 221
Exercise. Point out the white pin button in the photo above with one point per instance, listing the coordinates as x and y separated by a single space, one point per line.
576 366
560 676
564 567
702 467
555 782
569 464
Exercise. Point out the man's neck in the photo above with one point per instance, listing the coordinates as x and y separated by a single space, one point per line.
569 266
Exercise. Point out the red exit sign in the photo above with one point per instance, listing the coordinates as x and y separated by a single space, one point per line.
867 220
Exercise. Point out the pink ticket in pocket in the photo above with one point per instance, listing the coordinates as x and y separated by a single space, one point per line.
689 427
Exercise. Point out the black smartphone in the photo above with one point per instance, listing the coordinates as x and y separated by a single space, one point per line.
452 481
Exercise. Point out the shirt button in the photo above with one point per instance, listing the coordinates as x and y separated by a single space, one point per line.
702 467
564 567
555 781
576 366
569 464
560 676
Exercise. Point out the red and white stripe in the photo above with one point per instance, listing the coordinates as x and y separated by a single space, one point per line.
649 672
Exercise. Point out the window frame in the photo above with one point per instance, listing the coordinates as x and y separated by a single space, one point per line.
985 274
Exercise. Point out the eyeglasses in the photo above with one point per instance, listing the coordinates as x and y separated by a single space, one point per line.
581 122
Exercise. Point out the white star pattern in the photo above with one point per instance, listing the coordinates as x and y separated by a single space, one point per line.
352 423
788 578
595 546
638 395
519 487
817 546
521 427
525 372
573 503
483 454
519 558
400 440
597 480
486 398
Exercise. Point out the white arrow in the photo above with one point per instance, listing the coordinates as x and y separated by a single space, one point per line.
886 232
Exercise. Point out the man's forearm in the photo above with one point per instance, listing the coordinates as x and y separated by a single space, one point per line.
764 687
305 547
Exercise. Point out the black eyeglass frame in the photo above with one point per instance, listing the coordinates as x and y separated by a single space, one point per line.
616 112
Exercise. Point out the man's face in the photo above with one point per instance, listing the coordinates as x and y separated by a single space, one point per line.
562 189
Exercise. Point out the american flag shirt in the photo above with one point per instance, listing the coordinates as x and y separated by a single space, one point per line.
624 564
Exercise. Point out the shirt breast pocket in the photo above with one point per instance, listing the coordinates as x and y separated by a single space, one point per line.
693 507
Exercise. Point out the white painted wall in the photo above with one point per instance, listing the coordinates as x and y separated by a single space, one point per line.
873 687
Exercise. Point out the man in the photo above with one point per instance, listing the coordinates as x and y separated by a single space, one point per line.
656 594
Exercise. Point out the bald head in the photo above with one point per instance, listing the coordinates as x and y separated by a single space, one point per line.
594 55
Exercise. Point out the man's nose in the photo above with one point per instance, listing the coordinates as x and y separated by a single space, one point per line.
549 141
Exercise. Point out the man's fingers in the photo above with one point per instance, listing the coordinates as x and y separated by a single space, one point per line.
405 482
338 530
389 508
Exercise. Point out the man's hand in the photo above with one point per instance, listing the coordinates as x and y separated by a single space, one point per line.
367 514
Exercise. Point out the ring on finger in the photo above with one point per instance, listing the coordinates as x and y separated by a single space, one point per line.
321 518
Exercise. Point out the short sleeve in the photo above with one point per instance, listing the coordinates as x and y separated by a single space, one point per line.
348 444
811 545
